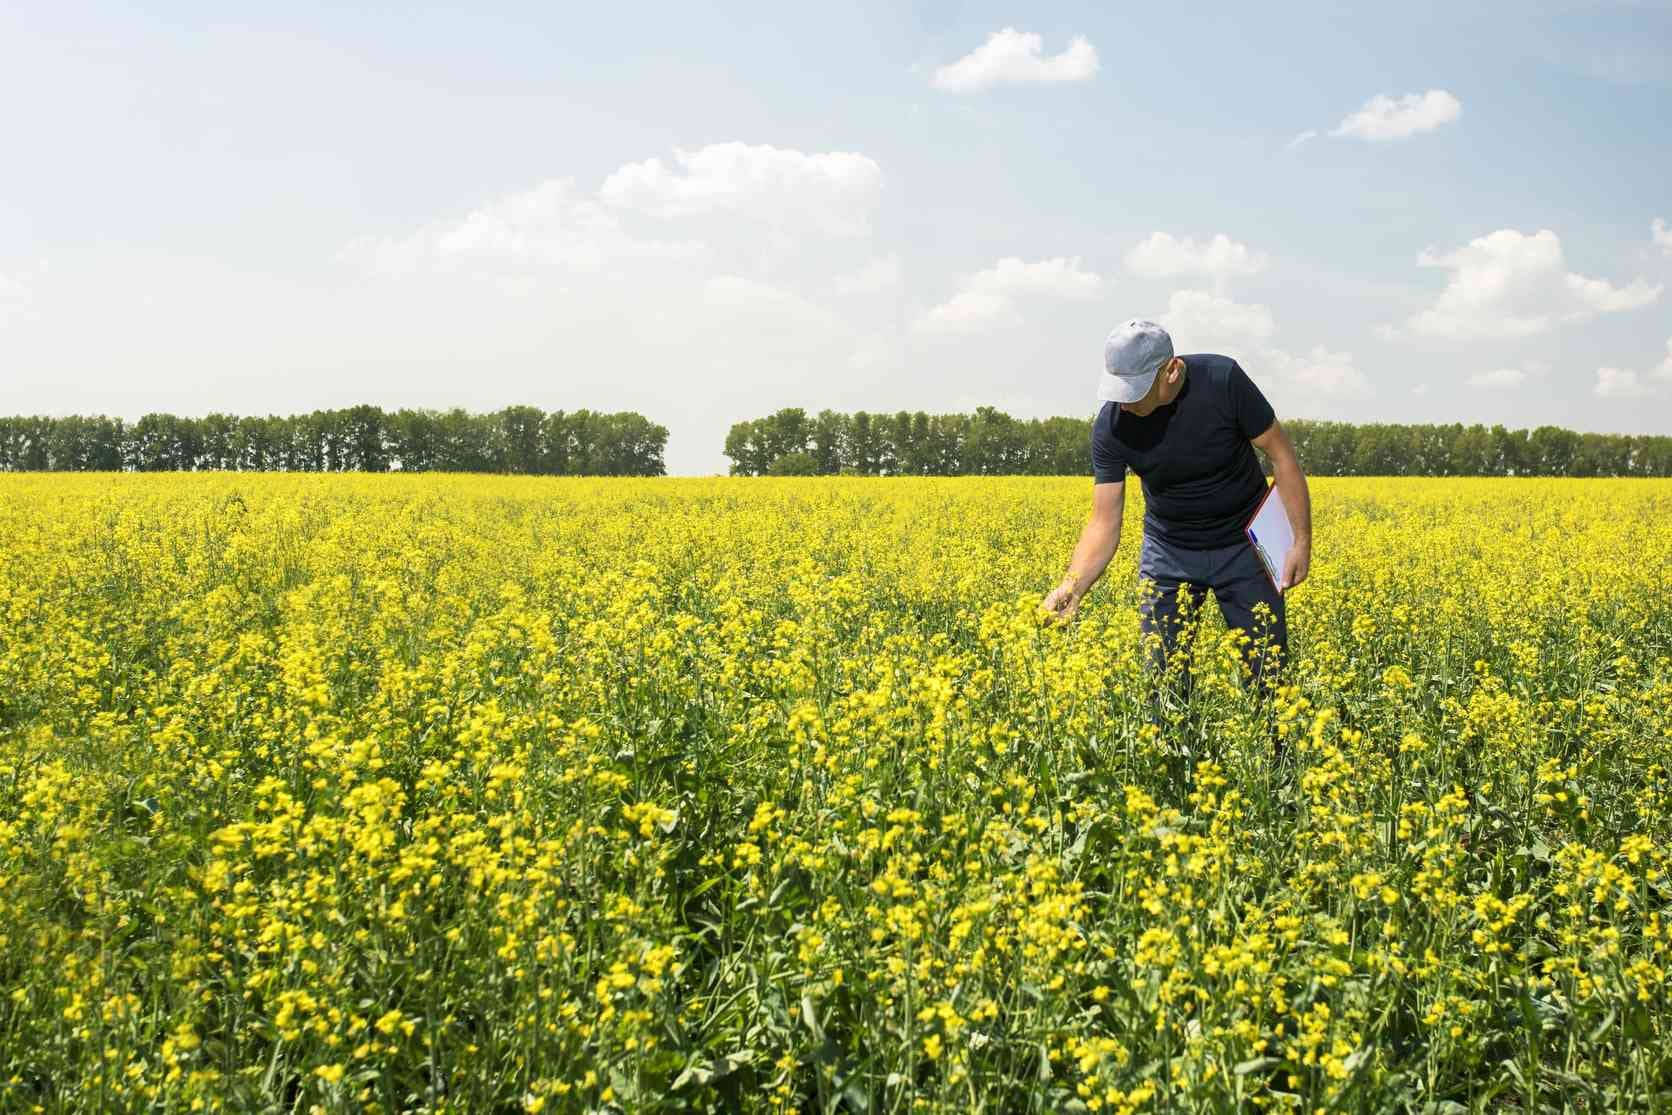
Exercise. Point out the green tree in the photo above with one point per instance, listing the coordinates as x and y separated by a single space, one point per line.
799 463
829 429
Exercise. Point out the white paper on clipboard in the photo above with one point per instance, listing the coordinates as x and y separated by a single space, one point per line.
1271 534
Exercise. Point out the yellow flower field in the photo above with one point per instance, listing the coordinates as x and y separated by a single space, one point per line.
423 793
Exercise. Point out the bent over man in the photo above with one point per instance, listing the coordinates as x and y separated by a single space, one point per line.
1188 425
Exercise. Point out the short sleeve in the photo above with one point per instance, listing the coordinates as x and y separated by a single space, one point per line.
1108 463
1253 414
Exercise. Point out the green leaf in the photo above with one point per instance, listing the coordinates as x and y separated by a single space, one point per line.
1639 1027
731 1062
1602 1027
810 1016
706 885
1079 844
695 1073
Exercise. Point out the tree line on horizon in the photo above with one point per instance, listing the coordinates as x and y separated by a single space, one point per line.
989 442
517 439
528 440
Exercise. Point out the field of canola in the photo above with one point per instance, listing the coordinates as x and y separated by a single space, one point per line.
390 793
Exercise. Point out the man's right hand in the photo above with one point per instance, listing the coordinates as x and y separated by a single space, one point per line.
1061 602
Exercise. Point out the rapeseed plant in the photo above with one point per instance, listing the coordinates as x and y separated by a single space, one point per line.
438 793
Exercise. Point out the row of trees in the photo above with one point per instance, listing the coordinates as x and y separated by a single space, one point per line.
523 439
990 442
1342 449
519 439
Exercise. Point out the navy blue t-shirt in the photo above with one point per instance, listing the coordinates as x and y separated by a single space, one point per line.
1201 478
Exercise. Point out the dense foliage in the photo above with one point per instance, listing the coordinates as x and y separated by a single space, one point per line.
393 793
992 443
518 439
988 442
1342 449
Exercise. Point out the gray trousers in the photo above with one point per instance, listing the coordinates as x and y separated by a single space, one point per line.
1238 581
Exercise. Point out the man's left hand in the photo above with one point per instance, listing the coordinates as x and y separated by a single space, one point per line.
1296 566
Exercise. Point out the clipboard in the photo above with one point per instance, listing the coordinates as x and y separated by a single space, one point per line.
1271 534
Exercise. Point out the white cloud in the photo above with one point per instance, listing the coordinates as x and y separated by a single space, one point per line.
1511 284
880 275
1420 390
1598 296
1626 383
748 198
1303 137
1620 383
970 311
1319 371
987 299
1204 322
1061 277
1016 56
1498 379
551 225
1165 255
833 193
1385 117
1661 233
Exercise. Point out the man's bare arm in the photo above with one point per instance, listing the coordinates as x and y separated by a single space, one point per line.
1290 482
1099 539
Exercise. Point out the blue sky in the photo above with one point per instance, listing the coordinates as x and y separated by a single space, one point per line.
707 212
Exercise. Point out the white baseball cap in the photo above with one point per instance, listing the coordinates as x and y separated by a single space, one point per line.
1132 354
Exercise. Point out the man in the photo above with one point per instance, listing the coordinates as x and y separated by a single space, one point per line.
1188 425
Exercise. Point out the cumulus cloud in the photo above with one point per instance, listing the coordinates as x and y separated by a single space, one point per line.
1661 234
1620 383
1627 383
1384 117
1498 379
1318 370
1012 56
834 193
1207 322
551 225
988 299
970 311
1204 322
556 224
1163 255
1512 284
880 275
